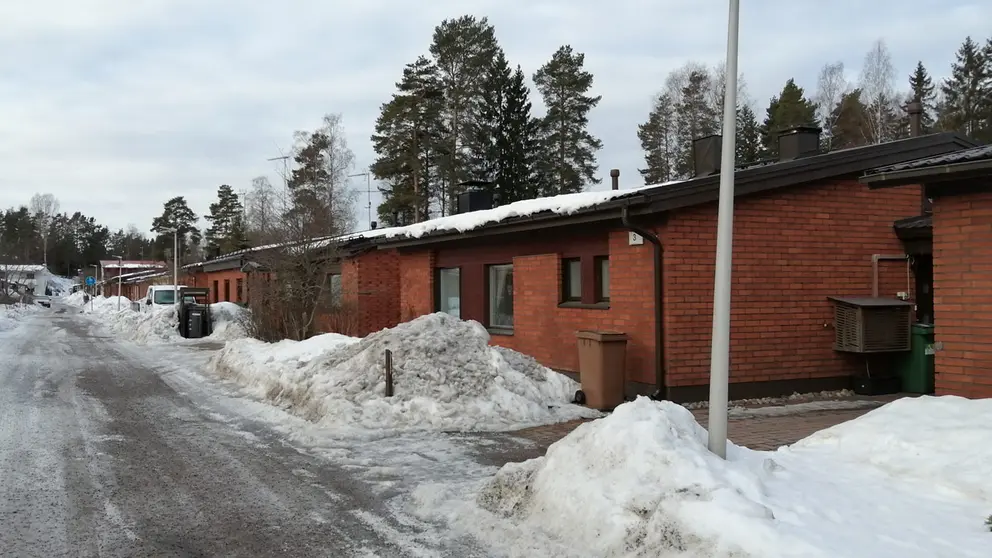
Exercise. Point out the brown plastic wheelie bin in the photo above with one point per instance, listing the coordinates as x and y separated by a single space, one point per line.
602 360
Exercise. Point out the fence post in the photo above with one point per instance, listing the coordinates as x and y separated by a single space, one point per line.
389 373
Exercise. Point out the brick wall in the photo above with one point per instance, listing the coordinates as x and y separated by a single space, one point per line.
417 280
376 279
792 250
215 281
962 248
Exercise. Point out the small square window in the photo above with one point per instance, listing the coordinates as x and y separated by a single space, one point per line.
571 280
603 279
334 288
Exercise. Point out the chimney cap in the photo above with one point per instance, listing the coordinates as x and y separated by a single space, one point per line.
801 130
614 173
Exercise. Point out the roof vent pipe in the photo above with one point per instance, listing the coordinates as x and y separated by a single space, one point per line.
615 178
915 111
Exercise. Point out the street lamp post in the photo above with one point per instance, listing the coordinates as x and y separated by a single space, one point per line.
175 267
120 272
368 186
720 348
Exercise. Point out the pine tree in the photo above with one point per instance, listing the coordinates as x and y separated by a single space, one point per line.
968 90
850 128
659 141
568 149
463 50
176 216
788 109
409 141
226 231
695 119
748 138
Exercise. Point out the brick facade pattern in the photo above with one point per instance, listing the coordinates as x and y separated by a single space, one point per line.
962 259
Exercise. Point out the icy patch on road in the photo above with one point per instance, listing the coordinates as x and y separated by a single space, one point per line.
446 376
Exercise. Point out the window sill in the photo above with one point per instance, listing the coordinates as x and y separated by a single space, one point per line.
585 306
500 331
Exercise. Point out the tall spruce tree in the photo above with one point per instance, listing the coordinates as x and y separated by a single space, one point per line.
788 109
659 140
922 89
463 51
568 149
409 142
176 215
748 138
518 136
226 231
695 119
968 91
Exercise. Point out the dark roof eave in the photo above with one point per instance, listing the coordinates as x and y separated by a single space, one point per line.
928 175
706 189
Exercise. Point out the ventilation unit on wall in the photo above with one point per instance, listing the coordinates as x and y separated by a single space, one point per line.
871 325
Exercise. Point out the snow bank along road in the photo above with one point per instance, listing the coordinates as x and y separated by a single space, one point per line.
99 456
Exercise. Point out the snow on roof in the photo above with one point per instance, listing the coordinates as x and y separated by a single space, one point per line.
22 268
132 264
565 204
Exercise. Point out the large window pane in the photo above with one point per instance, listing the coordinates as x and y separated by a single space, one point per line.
571 275
603 279
334 288
501 296
449 291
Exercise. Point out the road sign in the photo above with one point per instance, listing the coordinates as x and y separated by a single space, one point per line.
90 280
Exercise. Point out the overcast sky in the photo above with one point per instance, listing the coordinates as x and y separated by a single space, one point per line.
115 106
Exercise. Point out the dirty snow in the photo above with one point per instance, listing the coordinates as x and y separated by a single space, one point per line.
157 325
446 377
12 314
907 480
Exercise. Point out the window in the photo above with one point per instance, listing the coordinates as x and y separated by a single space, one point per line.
29 275
334 287
239 290
216 292
449 291
501 296
227 290
571 280
163 296
603 279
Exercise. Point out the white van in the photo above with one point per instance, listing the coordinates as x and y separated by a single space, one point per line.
159 296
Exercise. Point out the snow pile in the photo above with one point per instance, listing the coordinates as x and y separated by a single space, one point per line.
944 440
445 377
641 483
12 314
157 324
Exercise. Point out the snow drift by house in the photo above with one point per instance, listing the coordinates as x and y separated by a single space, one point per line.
11 315
157 325
446 377
907 480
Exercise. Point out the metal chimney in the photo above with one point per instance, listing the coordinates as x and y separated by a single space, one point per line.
915 110
615 178
798 142
706 153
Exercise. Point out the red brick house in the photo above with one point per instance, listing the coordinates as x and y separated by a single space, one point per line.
537 271
368 287
955 231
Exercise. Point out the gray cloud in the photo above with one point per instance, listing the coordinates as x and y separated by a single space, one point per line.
116 106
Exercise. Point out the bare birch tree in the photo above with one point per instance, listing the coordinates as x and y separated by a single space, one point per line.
44 207
717 93
261 211
831 87
876 83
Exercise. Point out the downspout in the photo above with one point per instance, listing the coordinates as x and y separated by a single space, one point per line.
659 329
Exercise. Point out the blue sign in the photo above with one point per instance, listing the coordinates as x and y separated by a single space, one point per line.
90 280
